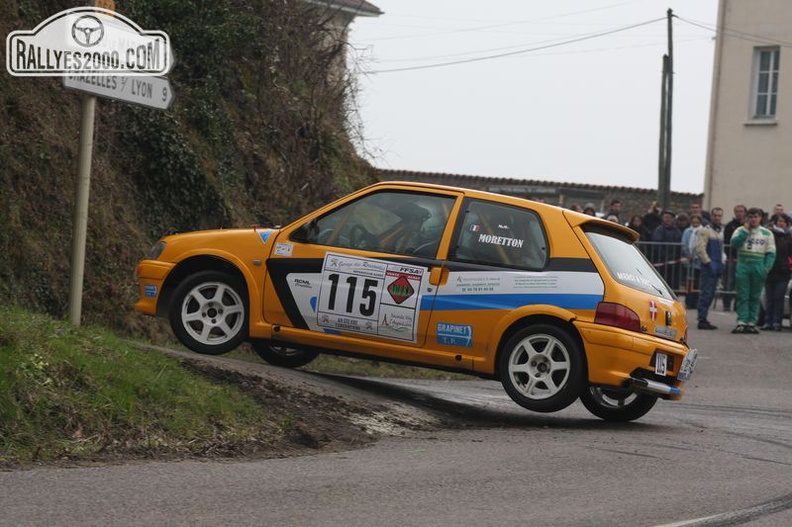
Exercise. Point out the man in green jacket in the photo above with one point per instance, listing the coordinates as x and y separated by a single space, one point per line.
755 248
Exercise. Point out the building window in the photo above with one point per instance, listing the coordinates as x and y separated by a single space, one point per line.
766 81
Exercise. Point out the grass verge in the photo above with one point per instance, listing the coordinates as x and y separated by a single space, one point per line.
82 393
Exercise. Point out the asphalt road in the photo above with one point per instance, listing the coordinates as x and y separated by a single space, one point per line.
722 456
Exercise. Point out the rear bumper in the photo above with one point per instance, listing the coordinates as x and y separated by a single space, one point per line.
615 355
151 276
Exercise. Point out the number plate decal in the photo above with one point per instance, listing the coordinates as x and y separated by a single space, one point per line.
373 297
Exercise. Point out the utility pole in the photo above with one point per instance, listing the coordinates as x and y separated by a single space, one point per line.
666 112
661 158
669 105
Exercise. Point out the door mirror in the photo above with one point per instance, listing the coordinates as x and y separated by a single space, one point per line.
303 233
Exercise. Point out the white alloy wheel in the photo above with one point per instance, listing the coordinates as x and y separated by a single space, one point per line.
542 368
212 313
611 399
209 313
615 404
539 366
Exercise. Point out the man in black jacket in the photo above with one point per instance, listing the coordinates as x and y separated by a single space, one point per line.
779 275
729 277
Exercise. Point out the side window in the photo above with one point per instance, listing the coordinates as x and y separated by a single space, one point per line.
406 223
501 235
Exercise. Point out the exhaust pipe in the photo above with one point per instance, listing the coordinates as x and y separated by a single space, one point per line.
648 385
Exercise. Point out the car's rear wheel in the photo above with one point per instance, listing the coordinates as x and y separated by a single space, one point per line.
209 313
285 356
616 405
542 368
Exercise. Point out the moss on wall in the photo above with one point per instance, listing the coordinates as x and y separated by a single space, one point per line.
256 135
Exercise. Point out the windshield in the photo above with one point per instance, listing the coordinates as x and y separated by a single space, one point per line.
628 265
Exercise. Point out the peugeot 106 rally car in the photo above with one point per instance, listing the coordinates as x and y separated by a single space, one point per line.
555 304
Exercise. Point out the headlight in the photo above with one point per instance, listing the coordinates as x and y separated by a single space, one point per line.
156 250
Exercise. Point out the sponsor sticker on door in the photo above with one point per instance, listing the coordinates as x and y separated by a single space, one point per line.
373 297
455 334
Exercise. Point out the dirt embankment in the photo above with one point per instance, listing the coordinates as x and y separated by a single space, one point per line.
313 412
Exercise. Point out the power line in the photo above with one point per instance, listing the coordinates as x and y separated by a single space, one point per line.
521 45
505 24
616 48
760 39
522 51
475 52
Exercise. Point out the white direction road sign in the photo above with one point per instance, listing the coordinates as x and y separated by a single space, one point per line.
152 92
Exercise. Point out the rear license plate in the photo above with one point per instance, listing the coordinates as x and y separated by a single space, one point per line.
661 363
686 370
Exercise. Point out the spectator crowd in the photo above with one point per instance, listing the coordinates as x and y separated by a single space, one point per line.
698 254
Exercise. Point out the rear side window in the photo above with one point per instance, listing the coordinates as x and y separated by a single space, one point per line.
627 265
502 235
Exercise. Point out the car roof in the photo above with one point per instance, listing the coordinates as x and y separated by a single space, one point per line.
575 218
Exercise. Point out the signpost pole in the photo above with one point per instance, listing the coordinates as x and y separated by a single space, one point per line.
80 235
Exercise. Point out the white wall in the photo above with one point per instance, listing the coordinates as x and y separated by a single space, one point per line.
749 160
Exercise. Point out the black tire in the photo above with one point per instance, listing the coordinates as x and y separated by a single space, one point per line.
616 405
542 368
209 312
285 356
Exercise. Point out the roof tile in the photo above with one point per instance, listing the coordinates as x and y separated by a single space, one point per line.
358 7
459 180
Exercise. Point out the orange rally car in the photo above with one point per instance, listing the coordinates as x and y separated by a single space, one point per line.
555 304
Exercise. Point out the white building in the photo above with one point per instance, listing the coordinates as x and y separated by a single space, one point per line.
749 151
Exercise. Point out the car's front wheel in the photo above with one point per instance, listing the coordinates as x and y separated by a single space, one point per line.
616 405
209 313
285 356
542 368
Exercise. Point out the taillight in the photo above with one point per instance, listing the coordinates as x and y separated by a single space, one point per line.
610 314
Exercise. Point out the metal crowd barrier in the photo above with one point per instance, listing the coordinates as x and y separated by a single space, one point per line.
679 272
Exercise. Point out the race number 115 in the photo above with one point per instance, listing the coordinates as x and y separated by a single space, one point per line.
368 295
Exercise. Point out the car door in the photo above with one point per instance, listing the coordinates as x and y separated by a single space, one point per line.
495 264
361 269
